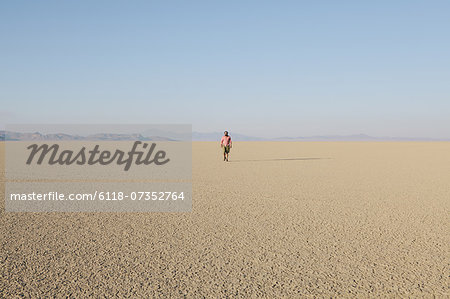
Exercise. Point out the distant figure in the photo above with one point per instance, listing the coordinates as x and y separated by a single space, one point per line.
225 144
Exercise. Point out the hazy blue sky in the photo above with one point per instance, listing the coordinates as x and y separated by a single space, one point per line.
284 68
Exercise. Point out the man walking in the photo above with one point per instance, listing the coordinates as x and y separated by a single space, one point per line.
225 144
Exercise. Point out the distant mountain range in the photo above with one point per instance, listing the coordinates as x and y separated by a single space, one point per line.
214 136
16 136
356 137
196 136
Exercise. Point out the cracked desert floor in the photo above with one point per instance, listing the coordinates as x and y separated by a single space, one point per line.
281 219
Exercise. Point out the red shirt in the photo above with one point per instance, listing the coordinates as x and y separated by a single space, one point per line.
226 140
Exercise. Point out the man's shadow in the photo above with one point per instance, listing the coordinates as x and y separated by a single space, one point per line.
280 159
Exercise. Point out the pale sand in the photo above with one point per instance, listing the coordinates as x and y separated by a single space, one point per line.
280 220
